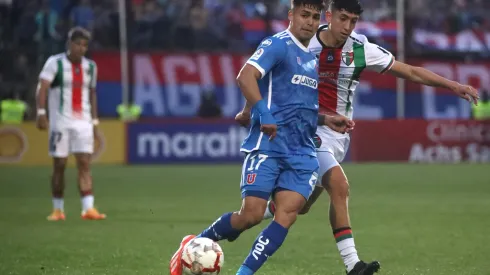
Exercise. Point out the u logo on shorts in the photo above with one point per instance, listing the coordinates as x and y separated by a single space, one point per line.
251 178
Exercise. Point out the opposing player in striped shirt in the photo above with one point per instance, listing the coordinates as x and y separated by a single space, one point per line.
68 81
343 56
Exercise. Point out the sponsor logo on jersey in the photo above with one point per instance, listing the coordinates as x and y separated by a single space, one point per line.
266 43
330 57
305 81
347 58
257 54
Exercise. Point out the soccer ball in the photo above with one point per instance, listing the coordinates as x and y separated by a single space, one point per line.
202 256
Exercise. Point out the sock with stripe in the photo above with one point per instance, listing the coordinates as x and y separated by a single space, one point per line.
264 246
347 248
221 229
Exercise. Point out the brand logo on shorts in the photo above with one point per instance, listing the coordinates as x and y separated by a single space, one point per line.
251 178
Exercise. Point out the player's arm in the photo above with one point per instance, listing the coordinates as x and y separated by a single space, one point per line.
267 56
423 76
93 97
46 77
337 123
381 61
247 81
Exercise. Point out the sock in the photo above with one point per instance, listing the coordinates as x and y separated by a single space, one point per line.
221 229
244 270
346 246
264 246
58 203
87 202
269 210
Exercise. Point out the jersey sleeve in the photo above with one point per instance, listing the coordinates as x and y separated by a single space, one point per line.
49 70
269 53
377 58
93 81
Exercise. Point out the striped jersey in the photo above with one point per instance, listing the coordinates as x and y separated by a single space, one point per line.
69 95
340 70
289 85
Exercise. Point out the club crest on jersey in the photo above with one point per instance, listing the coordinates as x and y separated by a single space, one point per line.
330 57
318 141
251 178
299 60
347 58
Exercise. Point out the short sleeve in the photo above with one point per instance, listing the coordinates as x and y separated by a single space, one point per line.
269 53
93 71
49 70
377 58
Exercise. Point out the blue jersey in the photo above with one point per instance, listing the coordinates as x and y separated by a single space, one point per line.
289 85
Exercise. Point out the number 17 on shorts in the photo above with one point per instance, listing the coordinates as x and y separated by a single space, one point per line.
259 175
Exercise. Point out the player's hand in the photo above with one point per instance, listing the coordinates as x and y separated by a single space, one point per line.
339 123
243 118
42 122
268 125
467 92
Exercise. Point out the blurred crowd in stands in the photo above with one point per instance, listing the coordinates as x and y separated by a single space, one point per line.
31 30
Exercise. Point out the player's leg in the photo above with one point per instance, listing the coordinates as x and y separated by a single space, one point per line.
258 178
82 146
335 182
269 211
259 174
294 186
58 150
271 206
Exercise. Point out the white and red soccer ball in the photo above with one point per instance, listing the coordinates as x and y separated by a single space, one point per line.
202 256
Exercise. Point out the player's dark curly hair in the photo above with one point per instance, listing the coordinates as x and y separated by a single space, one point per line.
77 33
352 6
319 4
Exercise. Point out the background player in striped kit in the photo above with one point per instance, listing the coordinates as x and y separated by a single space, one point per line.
343 55
69 80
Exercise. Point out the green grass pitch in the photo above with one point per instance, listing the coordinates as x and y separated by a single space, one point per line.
414 219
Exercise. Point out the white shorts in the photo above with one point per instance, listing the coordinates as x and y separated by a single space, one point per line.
332 150
68 138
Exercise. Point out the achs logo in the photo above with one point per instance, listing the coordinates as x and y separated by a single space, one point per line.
305 81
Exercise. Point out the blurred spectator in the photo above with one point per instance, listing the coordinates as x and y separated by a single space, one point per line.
37 28
83 15
47 37
209 108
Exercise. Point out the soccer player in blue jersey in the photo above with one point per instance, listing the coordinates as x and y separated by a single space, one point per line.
280 82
